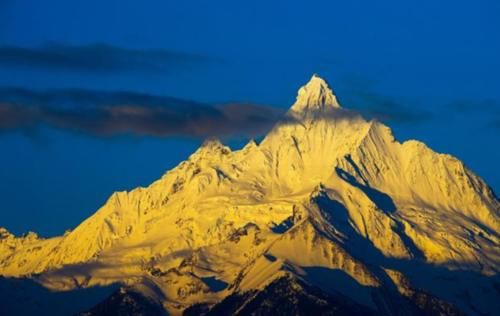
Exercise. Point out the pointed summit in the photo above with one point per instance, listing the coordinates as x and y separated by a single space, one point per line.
315 96
213 145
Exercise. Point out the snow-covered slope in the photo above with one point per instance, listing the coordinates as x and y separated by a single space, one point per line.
327 200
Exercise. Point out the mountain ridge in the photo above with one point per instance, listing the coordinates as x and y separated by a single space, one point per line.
325 189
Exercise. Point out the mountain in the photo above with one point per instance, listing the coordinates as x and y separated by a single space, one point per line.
328 214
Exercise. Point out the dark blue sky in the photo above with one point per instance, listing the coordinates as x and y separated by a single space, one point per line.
429 68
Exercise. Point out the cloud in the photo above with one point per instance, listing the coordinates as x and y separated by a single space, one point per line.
95 58
489 108
388 109
107 114
361 93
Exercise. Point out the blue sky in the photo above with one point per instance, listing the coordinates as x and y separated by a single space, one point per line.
428 68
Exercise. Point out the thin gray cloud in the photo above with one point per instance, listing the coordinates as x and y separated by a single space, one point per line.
489 109
108 114
483 106
389 109
362 94
95 58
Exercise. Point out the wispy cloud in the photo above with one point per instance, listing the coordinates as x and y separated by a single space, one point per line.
484 106
489 108
389 109
364 97
95 58
124 113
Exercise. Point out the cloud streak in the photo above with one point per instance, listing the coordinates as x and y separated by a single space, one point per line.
107 114
489 108
95 58
465 106
388 109
362 93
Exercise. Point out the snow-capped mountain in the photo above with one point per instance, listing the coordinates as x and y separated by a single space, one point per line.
328 214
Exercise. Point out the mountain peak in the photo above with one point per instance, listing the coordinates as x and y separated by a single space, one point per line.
324 196
315 96
211 147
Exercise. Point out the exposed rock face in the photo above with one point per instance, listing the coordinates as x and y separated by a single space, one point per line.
327 202
125 303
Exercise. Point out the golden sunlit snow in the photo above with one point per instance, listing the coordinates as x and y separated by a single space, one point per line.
319 189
